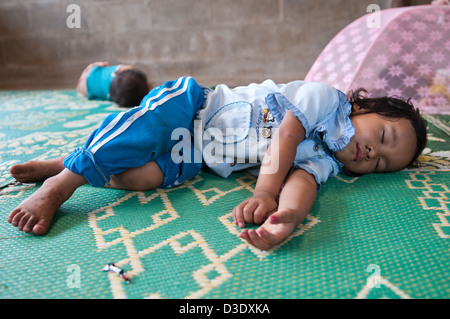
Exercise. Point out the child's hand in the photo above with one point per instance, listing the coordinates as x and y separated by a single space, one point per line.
98 63
276 229
254 210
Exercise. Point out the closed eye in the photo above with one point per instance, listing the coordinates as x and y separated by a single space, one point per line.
382 137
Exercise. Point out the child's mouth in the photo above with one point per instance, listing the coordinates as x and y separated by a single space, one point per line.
357 153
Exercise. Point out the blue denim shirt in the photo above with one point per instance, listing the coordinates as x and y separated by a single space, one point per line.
255 111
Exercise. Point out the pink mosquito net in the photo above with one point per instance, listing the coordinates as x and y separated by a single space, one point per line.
407 54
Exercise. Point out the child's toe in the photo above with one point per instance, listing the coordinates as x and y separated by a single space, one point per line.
23 221
30 224
41 227
15 217
12 214
17 171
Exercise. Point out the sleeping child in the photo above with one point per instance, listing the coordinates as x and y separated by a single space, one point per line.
297 135
122 84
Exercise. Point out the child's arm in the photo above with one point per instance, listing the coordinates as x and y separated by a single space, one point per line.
281 154
296 200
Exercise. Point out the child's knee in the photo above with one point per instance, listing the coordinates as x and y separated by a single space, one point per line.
129 183
144 178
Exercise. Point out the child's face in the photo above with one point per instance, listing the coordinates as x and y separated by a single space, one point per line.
380 144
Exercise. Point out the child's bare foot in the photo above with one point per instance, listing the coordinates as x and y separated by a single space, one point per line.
37 171
36 212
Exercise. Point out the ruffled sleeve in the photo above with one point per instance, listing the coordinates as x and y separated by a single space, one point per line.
320 168
323 111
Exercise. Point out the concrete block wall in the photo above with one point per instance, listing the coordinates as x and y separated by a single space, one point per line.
216 41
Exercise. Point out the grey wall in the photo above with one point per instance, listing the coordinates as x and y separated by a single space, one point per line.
216 41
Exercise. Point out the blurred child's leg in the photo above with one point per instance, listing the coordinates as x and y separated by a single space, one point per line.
36 212
138 136
144 178
161 173
37 171
121 149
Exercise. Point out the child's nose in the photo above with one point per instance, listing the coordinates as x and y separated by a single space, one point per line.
370 152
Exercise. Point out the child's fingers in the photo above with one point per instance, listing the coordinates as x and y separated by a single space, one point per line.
258 240
235 213
246 236
252 212
253 238
238 214
282 216
249 210
260 214
267 237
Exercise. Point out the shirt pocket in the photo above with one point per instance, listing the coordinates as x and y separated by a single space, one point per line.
231 123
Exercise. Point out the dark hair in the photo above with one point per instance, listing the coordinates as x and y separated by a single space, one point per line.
394 108
128 87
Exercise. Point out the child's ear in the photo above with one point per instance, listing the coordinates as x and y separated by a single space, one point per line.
356 108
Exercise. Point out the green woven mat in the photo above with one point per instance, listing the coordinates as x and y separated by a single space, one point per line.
377 236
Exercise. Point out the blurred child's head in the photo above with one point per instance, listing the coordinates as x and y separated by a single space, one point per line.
129 87
390 134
